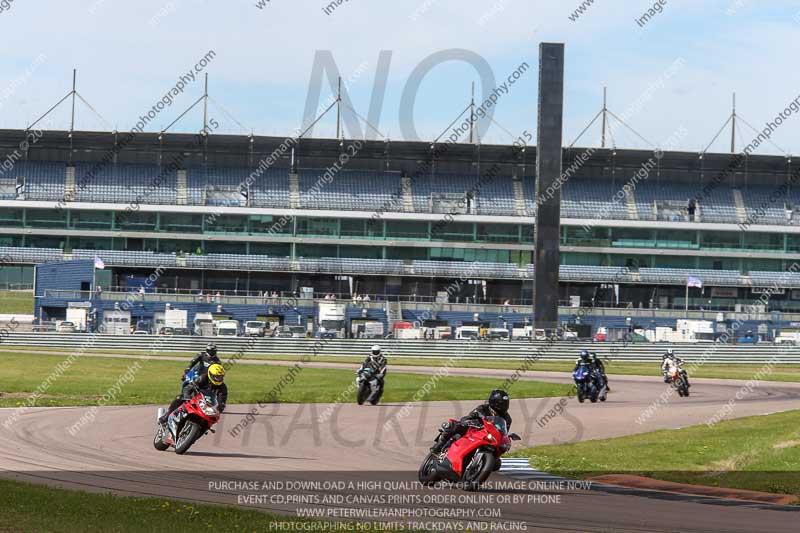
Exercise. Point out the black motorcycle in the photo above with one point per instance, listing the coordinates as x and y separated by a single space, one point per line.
364 377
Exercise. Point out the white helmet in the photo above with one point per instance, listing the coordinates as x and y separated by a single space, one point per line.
376 350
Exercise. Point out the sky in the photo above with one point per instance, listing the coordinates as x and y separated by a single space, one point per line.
670 77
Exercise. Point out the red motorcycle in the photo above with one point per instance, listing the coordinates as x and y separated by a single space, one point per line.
472 458
193 419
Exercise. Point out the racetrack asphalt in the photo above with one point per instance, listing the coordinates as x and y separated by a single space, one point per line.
319 442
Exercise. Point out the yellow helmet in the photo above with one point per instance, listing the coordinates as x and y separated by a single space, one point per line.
216 374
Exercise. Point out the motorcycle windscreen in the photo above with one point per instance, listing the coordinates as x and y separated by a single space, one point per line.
499 423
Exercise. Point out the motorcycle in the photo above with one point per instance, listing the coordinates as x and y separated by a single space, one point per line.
585 385
193 419
678 381
469 460
363 379
602 386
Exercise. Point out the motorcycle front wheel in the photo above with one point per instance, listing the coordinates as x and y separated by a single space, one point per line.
363 392
427 471
593 394
189 433
158 440
478 470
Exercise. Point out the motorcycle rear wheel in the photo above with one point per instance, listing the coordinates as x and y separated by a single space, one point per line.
188 434
427 471
378 395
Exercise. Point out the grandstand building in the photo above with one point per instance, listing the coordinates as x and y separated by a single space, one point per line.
406 220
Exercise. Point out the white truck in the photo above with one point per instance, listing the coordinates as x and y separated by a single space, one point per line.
332 317
465 332
227 328
77 315
255 328
117 322
204 324
694 331
176 318
788 336
521 331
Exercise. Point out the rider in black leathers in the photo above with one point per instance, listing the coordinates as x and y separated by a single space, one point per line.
496 405
601 369
212 380
207 357
375 361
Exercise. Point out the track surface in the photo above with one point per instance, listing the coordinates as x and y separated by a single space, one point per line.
290 442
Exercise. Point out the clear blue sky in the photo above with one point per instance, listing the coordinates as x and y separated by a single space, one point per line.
129 54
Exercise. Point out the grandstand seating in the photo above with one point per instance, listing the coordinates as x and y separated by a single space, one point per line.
582 198
424 187
764 206
371 190
335 265
453 269
222 186
496 197
118 257
125 183
457 318
352 190
779 279
30 255
679 275
44 180
600 274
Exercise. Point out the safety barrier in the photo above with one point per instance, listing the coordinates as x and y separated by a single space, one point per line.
519 350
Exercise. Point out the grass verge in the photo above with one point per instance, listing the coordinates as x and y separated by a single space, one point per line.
38 509
154 381
756 453
745 371
16 302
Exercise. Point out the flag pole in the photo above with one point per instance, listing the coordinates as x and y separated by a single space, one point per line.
686 301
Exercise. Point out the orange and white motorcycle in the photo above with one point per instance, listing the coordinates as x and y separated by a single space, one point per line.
676 376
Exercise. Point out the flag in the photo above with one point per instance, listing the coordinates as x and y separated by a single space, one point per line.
692 281
98 263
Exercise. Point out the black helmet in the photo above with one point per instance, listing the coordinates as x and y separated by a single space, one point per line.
211 350
585 355
498 400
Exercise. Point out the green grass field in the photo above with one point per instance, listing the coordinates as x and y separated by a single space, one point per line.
757 453
37 509
780 372
16 302
89 378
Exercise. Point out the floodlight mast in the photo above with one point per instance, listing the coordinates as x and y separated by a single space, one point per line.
72 117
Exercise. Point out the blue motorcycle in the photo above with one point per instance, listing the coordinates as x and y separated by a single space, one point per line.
189 376
585 385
